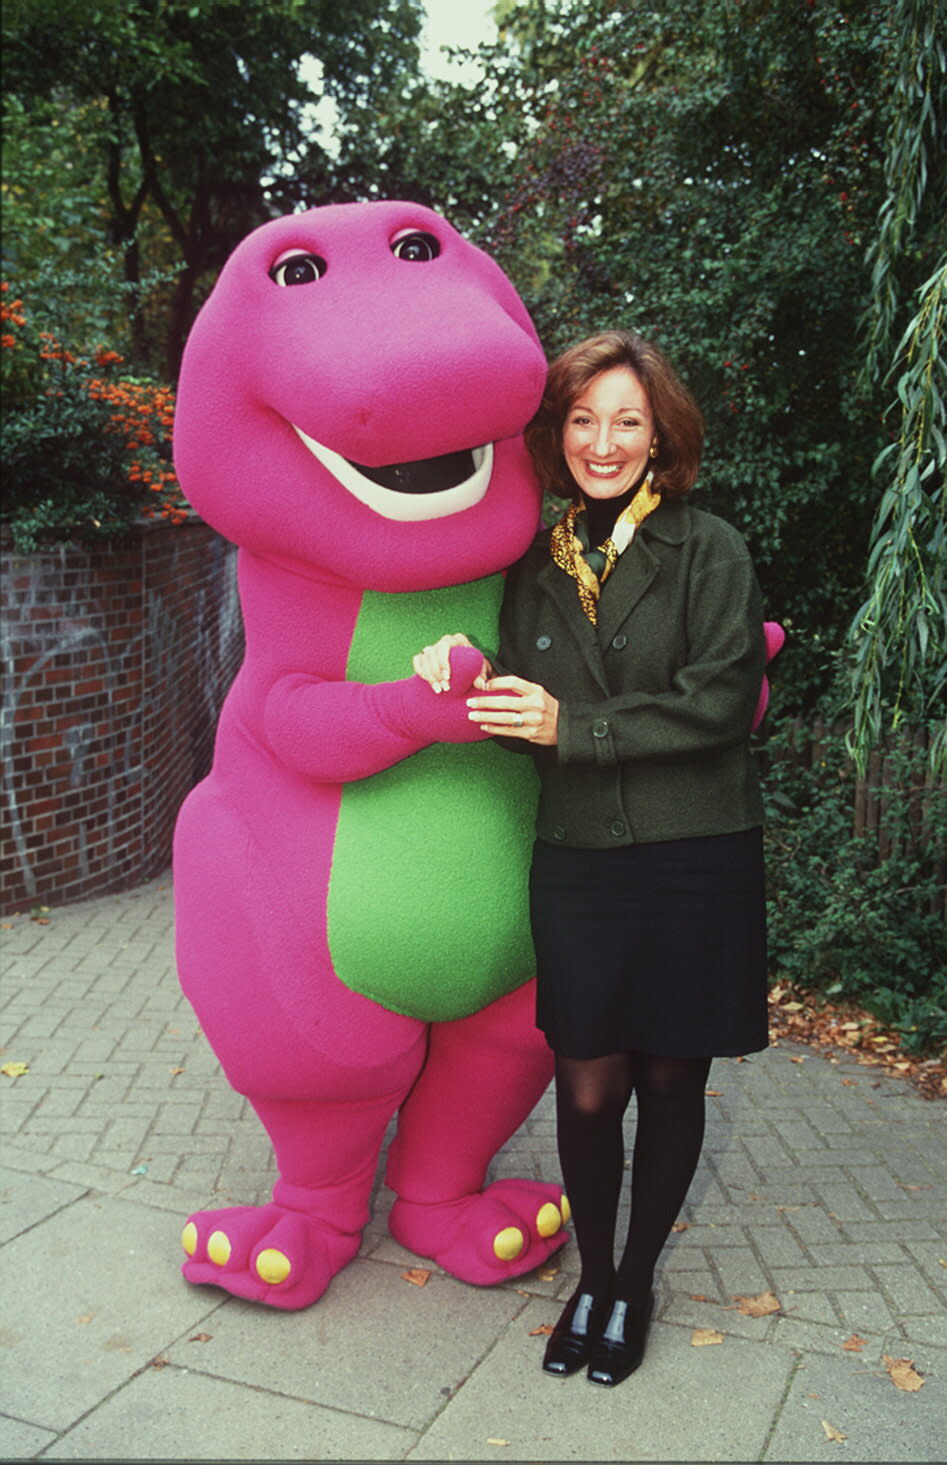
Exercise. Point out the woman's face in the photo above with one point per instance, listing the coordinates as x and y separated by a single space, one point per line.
608 432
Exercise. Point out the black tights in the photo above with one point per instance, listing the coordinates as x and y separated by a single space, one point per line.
592 1095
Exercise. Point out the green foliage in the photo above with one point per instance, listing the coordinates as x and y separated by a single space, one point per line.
86 450
201 113
914 180
710 173
899 635
859 917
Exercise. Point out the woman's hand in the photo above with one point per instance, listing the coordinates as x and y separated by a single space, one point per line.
517 709
432 663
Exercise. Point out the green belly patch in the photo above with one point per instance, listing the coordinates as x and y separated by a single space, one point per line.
428 911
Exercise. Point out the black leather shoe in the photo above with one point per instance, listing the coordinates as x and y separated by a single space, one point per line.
574 1333
619 1349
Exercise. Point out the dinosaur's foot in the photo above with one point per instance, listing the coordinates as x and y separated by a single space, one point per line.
503 1231
266 1253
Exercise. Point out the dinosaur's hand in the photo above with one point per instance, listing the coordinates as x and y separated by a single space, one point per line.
334 732
439 717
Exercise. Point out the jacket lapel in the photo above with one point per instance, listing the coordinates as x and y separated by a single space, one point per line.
629 580
638 566
560 588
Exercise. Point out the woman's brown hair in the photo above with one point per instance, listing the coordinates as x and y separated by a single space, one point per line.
679 423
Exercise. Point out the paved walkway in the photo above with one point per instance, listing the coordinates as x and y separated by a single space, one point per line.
821 1182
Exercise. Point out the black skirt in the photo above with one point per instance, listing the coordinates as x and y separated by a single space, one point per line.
652 948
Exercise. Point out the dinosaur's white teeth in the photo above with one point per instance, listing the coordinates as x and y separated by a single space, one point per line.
408 507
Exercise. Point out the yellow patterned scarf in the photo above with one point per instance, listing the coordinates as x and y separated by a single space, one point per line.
569 546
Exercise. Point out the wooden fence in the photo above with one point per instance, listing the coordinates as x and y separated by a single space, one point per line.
894 805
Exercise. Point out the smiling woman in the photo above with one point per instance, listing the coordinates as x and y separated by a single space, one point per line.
629 664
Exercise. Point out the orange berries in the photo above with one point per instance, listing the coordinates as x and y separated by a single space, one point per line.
140 413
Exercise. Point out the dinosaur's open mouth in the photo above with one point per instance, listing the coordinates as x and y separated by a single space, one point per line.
428 488
424 475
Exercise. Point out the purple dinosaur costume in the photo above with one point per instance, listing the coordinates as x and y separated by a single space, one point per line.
350 879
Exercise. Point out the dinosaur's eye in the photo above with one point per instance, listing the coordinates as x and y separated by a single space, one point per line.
298 269
417 247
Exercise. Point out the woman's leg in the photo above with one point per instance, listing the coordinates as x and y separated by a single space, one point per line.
591 1098
668 1140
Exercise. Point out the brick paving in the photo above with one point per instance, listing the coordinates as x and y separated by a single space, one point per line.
822 1181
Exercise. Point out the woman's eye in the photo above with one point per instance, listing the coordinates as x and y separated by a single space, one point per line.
418 248
298 269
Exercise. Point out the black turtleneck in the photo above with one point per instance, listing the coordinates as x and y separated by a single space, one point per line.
601 514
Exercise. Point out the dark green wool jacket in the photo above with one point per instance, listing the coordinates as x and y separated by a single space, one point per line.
657 701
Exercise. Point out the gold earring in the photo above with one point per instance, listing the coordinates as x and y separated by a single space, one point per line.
653 451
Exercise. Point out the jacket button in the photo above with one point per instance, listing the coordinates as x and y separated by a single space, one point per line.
618 828
620 641
543 643
600 728
559 832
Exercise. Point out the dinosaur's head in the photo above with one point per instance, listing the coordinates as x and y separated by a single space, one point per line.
353 395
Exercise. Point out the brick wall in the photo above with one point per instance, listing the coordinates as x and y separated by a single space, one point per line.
115 664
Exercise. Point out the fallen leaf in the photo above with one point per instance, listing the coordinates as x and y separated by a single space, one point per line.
942 1261
915 1187
15 1070
903 1373
542 1331
175 1071
698 1297
850 1083
713 1093
417 1276
703 1337
811 1020
797 1060
681 1226
86 1317
160 1361
498 1442
760 1306
831 1433
854 1344
201 1338
548 1274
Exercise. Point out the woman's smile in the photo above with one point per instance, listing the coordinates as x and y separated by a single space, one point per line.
608 434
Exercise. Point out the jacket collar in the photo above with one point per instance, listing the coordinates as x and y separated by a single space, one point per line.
671 522
636 569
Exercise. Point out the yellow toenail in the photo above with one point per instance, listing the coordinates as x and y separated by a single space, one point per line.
189 1238
566 1210
219 1248
548 1221
508 1243
273 1266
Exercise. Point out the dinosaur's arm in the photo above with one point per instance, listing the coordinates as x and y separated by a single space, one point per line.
334 732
